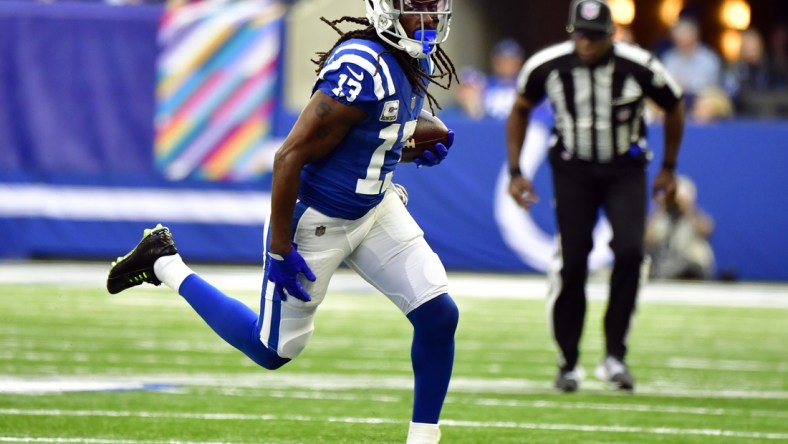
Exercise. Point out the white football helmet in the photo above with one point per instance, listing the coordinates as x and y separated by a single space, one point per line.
384 15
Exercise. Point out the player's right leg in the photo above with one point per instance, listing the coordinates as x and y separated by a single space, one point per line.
396 259
156 260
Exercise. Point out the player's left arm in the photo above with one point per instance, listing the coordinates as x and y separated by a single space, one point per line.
323 123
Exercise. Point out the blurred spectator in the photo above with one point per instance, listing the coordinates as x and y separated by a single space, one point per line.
750 71
692 63
507 59
778 71
778 55
677 237
753 80
711 105
624 34
468 94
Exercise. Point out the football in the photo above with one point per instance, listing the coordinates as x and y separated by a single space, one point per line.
429 131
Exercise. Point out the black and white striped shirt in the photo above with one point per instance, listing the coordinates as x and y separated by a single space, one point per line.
598 108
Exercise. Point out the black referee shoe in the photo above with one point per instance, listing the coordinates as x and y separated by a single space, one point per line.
616 373
568 381
137 266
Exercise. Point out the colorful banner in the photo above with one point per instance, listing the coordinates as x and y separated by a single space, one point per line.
216 92
77 178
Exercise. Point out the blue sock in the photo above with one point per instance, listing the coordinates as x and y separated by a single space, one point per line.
231 319
432 354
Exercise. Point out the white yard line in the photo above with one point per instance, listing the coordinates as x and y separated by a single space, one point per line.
329 381
514 403
720 365
373 420
640 408
619 429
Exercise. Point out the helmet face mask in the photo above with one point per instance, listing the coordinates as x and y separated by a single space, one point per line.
385 16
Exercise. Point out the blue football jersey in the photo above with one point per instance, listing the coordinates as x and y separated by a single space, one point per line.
351 180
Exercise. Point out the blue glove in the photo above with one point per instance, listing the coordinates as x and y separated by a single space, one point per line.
283 272
429 158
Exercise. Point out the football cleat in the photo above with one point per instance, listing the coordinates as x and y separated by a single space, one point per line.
137 266
616 373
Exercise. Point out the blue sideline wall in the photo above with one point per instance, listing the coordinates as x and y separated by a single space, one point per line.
77 178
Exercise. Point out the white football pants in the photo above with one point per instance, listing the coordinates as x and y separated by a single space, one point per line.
386 247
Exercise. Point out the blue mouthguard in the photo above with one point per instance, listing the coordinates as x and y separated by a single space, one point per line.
427 37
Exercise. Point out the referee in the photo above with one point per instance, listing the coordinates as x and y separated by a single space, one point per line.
597 90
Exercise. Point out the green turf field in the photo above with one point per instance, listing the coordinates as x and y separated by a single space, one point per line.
80 366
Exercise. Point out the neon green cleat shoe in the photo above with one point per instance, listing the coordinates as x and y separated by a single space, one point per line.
137 266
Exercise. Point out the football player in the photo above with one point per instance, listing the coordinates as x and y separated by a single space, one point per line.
333 201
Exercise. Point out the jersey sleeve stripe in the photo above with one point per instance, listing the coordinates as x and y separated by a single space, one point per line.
384 67
362 63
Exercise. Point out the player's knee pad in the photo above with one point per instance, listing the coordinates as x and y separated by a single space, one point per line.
436 318
286 328
263 356
293 343
269 360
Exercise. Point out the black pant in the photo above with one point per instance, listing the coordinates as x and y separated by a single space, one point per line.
581 190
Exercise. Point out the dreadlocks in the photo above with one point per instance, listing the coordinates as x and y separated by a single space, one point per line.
410 66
